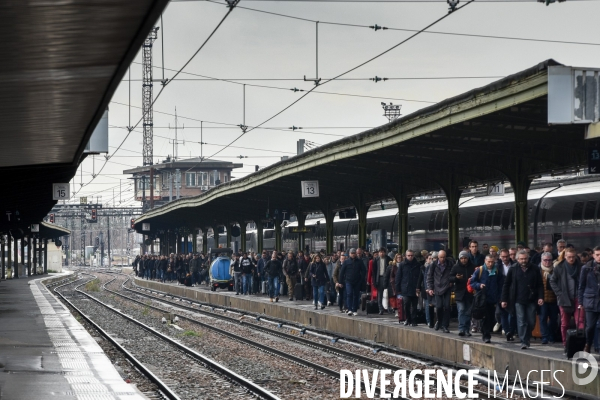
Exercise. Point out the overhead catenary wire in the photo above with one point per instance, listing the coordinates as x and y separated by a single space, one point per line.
413 30
347 72
107 158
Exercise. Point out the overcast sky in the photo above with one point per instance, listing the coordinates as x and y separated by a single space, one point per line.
254 45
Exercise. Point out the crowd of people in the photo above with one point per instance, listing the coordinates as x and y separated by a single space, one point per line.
492 291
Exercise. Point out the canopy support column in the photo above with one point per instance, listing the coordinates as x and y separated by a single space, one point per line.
3 274
301 224
195 241
362 209
453 193
243 237
402 200
277 236
186 243
520 181
9 254
229 227
17 255
259 235
46 256
205 240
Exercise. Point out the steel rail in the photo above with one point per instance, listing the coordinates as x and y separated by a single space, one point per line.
262 347
163 388
211 364
301 340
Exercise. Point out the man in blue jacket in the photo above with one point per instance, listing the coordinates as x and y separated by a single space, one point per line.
486 278
353 272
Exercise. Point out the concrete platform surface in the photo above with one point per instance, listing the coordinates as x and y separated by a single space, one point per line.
499 355
45 353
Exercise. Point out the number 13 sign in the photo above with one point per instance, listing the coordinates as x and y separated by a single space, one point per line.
310 188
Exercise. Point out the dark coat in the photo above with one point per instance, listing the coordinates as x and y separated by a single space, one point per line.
375 272
477 260
460 285
565 295
353 271
519 284
589 287
318 274
290 268
408 278
273 268
246 265
437 280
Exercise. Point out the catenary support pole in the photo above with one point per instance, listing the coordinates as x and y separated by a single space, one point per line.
46 256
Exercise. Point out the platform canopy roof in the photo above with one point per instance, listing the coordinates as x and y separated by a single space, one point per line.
495 133
61 63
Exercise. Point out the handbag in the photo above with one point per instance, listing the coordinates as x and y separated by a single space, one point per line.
385 300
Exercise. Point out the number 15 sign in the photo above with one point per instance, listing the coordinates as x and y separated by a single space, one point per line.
60 191
310 188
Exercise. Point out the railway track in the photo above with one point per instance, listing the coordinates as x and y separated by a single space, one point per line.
253 323
158 348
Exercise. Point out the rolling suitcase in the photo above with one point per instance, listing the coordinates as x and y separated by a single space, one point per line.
372 307
575 338
263 287
299 291
400 305
363 301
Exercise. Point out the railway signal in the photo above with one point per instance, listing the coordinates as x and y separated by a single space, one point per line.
132 223
51 219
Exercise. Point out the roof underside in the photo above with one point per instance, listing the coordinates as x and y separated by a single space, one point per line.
62 62
479 137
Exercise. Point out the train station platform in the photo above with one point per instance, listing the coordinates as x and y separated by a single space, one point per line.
45 353
382 331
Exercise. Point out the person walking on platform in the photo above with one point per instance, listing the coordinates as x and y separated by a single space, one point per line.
459 275
523 291
564 280
589 296
290 270
477 259
195 270
508 320
550 309
319 278
408 284
260 266
303 262
247 270
353 273
236 272
438 285
485 278
378 281
273 269
340 286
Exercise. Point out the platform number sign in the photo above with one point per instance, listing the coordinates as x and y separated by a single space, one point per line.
594 161
310 188
60 191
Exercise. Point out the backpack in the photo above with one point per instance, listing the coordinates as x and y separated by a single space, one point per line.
478 309
469 288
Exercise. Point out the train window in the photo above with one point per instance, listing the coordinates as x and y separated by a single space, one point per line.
488 219
410 228
497 219
445 220
590 211
577 213
438 221
480 217
268 234
432 222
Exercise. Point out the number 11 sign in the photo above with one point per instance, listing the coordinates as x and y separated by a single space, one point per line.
310 188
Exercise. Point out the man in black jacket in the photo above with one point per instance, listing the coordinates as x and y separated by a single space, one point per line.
353 273
459 275
408 283
438 285
247 270
522 291
380 264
